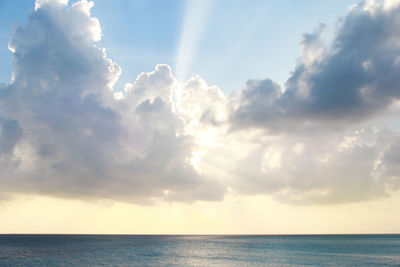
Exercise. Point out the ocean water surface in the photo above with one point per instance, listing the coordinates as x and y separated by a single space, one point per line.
186 250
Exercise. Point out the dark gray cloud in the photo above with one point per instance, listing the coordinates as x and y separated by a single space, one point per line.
10 134
354 78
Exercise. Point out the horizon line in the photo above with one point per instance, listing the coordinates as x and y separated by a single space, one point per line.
126 234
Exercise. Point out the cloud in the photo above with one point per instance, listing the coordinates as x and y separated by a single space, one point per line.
321 139
354 78
11 132
315 168
67 135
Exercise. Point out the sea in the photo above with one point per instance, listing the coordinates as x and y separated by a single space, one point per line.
199 250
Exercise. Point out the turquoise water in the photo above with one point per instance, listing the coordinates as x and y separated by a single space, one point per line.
153 250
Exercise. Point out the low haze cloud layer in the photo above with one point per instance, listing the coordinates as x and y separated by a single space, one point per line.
323 138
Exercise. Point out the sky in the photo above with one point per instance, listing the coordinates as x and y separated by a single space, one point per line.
199 117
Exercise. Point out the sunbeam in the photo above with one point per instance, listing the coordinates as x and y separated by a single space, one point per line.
194 23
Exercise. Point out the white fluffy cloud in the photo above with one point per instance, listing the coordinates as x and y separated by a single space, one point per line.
325 168
321 139
63 133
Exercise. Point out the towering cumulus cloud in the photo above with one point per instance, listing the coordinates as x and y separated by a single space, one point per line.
63 133
320 139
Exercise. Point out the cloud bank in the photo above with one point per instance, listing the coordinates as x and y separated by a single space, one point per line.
320 139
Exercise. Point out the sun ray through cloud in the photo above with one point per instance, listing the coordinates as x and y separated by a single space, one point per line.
193 26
